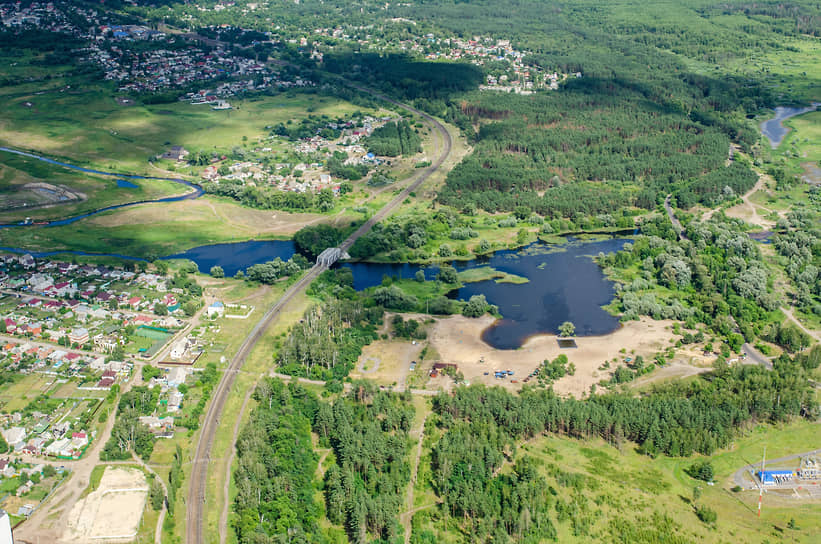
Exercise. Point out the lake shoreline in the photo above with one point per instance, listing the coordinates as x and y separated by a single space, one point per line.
458 339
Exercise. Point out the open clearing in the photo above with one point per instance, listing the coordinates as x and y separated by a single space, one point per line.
457 339
112 512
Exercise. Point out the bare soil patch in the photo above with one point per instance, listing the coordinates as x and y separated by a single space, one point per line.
458 340
394 358
113 511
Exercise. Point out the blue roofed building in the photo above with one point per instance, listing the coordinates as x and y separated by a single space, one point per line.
774 477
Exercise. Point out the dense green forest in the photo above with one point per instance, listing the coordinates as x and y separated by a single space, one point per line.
483 428
653 110
367 431
476 432
393 140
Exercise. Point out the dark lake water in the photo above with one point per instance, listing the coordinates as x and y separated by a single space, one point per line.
565 285
233 257
127 184
774 129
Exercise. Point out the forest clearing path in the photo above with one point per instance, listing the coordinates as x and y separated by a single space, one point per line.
406 517
791 317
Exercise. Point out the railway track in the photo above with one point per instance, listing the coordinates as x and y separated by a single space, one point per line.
198 481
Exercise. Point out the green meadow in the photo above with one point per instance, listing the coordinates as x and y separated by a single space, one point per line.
605 493
78 118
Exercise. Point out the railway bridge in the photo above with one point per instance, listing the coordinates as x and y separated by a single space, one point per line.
329 256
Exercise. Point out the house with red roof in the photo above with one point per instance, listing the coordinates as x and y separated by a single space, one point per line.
11 325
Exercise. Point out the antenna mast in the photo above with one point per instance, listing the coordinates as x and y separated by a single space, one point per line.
761 481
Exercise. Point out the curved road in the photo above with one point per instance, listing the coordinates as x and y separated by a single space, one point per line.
199 472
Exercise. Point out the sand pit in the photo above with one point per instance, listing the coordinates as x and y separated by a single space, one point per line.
458 340
113 511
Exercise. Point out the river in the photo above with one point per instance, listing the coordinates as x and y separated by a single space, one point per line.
196 191
564 282
774 128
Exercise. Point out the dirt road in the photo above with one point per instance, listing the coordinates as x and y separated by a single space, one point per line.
406 517
49 521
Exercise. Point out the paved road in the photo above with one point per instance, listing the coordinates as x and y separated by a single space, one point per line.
756 356
197 492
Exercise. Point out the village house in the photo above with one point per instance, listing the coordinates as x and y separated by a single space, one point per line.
15 437
78 336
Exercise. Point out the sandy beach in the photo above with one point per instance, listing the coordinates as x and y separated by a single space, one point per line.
458 340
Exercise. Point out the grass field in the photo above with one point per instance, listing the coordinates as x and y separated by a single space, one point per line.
16 396
79 119
159 229
95 191
803 143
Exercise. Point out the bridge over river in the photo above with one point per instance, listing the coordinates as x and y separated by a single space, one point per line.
328 257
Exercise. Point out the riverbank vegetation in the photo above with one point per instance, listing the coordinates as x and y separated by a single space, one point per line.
715 275
328 340
427 232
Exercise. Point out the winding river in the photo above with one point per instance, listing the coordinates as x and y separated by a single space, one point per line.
564 282
196 191
774 128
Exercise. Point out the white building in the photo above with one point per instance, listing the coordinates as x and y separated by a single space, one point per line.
15 437
216 309
5 529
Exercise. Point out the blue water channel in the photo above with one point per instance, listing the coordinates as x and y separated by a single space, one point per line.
774 128
232 257
122 182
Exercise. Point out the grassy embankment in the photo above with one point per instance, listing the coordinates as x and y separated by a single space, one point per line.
160 229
